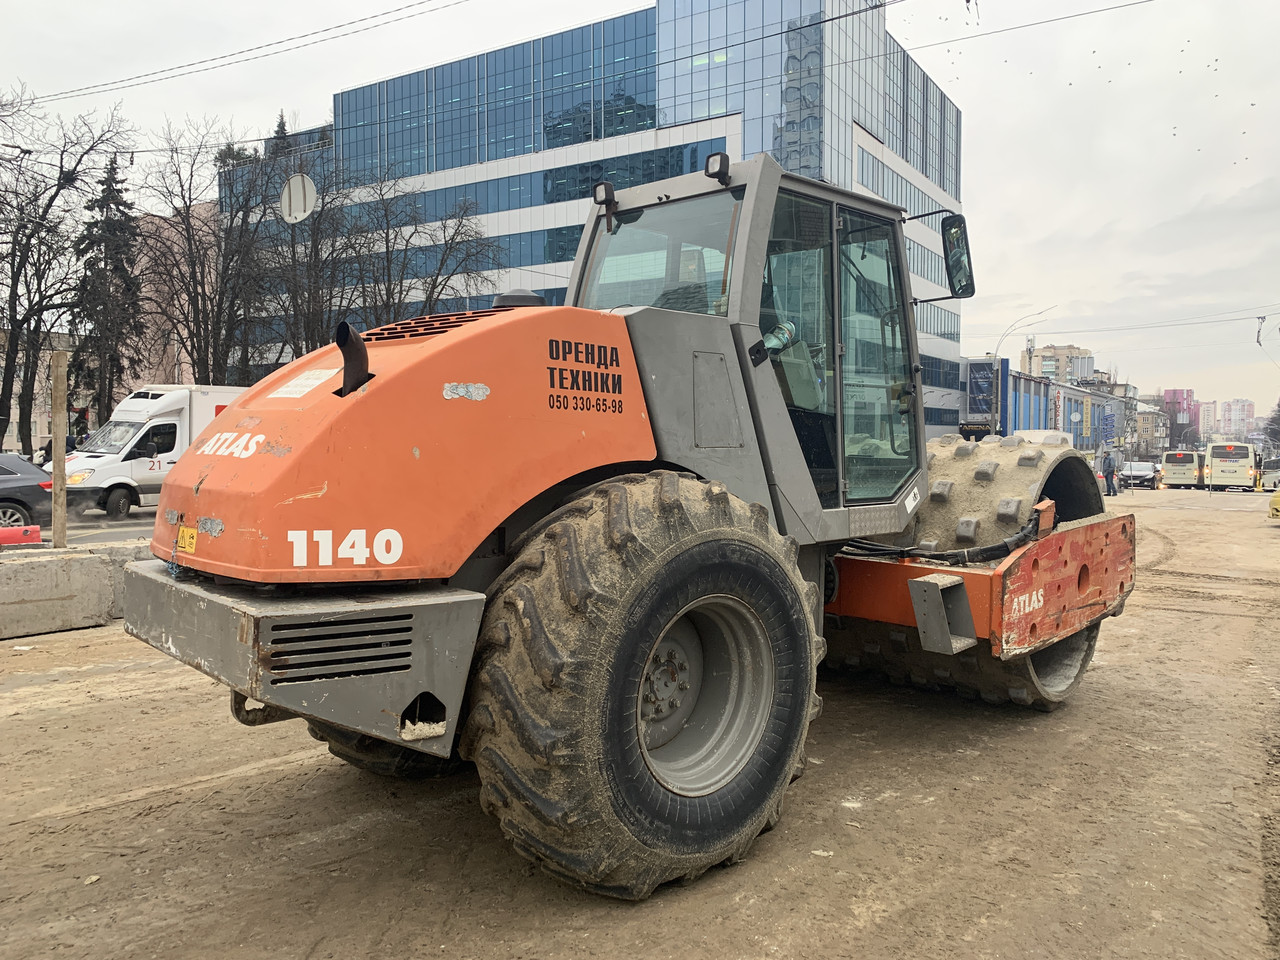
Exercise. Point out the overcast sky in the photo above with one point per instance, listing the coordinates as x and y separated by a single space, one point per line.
1120 168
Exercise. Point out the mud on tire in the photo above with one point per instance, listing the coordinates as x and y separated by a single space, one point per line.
644 684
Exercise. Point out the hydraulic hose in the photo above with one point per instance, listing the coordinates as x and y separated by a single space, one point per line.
955 558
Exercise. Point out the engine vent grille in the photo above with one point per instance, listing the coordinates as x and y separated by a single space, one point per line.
429 326
306 651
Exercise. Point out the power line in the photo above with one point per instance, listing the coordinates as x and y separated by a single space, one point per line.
1235 345
1157 324
189 69
1141 328
61 94
992 33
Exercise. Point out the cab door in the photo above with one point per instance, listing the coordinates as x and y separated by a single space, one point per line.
148 472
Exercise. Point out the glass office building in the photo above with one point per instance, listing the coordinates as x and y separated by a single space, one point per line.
525 131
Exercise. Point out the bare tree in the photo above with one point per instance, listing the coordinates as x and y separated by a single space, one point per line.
311 282
363 253
200 257
408 263
50 278
391 231
40 193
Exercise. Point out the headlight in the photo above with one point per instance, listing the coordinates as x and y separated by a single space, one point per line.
80 476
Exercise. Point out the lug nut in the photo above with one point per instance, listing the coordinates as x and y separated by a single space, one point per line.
650 698
683 685
675 704
682 665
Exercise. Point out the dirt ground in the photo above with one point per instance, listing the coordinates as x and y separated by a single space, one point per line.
140 820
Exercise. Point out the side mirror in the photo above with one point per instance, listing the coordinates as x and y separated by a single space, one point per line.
150 451
955 250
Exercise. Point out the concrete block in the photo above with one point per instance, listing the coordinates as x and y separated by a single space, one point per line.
117 555
44 592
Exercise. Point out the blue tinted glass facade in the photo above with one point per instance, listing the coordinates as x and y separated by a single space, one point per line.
582 85
762 59
563 184
802 74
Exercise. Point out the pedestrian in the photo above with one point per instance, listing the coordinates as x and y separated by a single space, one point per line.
1109 472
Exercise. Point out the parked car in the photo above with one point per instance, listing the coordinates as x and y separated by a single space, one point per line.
25 493
1140 473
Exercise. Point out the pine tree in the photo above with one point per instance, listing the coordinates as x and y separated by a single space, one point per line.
107 316
278 145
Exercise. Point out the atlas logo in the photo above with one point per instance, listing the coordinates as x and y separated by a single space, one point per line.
233 444
1027 603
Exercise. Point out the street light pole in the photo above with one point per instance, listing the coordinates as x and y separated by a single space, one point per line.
995 363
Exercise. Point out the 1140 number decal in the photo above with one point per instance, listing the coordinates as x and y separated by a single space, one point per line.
386 547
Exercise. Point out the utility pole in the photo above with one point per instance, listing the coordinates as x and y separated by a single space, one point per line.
1019 324
59 447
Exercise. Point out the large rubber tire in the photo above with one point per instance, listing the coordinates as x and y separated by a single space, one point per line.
14 515
383 758
117 504
645 684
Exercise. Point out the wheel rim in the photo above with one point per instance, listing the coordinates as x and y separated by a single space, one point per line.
9 517
705 696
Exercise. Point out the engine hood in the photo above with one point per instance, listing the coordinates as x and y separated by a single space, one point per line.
465 418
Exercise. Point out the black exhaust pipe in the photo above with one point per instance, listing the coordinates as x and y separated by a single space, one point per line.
355 359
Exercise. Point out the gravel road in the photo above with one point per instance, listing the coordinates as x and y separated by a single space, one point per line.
139 820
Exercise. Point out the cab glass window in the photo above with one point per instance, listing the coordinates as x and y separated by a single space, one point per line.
796 326
676 255
163 435
880 443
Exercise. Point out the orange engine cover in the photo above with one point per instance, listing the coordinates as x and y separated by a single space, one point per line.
466 418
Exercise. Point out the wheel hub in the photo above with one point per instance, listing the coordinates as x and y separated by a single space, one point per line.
705 695
671 684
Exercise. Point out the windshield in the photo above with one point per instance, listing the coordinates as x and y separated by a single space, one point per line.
676 255
1229 451
1139 467
111 437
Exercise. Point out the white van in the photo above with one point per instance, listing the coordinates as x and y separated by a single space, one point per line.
123 463
1271 474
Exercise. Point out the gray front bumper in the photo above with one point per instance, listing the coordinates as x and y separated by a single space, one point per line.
354 657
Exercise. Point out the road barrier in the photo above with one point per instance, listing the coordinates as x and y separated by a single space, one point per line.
15 535
45 590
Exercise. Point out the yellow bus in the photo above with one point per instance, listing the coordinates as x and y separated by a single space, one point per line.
1233 465
1183 469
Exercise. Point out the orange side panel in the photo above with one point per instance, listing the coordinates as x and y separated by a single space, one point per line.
1040 593
877 590
465 419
